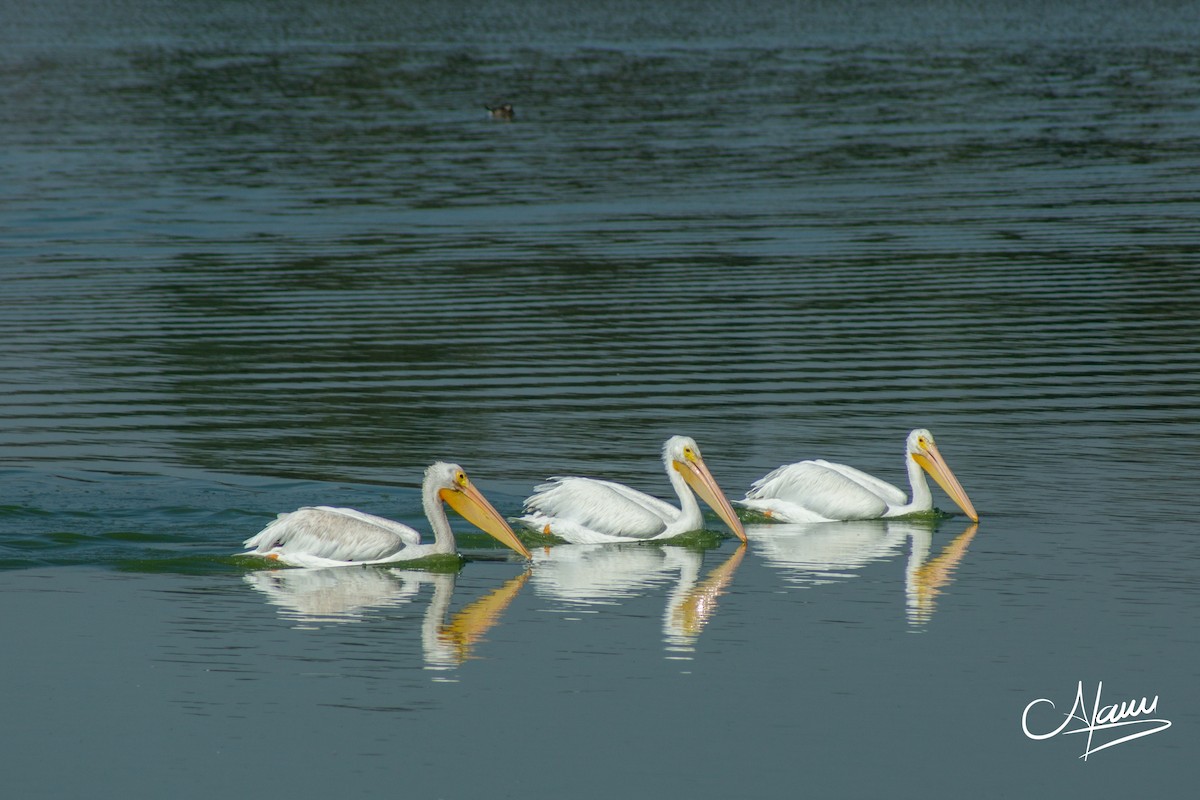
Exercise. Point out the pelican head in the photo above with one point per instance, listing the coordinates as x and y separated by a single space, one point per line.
682 454
456 490
923 450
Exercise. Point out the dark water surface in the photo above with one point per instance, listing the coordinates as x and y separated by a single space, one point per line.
260 255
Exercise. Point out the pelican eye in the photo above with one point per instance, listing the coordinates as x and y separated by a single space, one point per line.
460 478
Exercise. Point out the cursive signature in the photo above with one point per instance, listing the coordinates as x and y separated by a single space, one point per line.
1103 718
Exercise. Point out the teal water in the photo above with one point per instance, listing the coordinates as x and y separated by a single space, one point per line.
261 255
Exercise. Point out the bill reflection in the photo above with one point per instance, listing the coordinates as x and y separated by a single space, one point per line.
925 578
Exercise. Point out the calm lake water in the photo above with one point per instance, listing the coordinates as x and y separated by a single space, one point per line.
261 255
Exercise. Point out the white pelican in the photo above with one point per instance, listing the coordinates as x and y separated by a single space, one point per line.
322 536
590 511
819 491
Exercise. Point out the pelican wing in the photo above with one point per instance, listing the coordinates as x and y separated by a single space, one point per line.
602 506
832 491
892 495
338 534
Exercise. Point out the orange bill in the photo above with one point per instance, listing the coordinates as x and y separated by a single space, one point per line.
475 509
932 462
705 486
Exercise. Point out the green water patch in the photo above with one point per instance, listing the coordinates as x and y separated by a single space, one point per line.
141 537
447 563
18 563
473 541
933 515
53 540
17 512
703 539
180 565
532 537
753 516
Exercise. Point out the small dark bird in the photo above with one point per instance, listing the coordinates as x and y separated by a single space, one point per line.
504 111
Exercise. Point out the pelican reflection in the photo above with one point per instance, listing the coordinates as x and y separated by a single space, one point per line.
815 553
590 575
313 597
925 578
692 605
